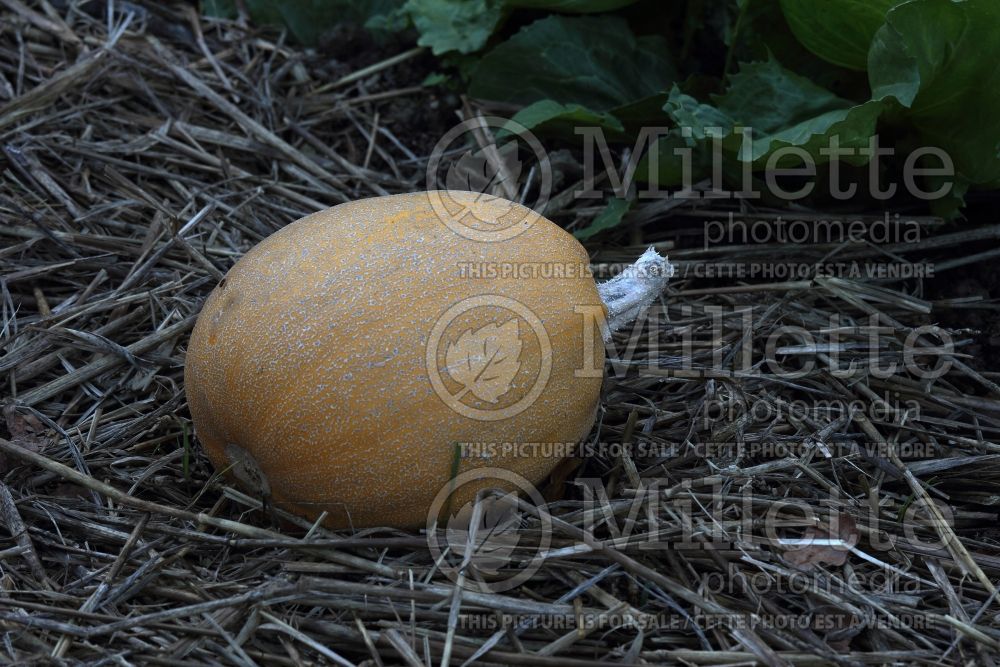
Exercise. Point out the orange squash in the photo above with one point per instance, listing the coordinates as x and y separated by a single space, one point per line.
342 363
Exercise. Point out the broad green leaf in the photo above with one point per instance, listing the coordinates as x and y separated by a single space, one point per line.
785 109
554 118
853 127
434 79
391 19
950 206
698 118
765 108
759 30
610 217
938 59
770 97
838 31
220 9
663 165
454 25
572 6
563 120
644 112
594 62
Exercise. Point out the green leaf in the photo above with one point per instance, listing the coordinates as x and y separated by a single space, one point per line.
572 6
642 112
938 59
434 79
853 126
554 118
760 31
950 206
610 217
838 31
668 169
219 9
765 108
784 109
770 97
688 112
391 19
454 25
594 62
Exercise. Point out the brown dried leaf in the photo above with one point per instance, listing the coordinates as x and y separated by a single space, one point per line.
815 549
24 429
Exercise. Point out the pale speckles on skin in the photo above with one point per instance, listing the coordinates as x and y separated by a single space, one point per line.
319 371
390 356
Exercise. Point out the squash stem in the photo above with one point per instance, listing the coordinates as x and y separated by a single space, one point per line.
630 292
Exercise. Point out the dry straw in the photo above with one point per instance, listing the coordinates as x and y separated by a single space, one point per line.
144 150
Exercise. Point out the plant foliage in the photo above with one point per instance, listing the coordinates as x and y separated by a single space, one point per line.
796 73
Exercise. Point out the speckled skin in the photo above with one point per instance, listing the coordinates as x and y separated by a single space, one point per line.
308 360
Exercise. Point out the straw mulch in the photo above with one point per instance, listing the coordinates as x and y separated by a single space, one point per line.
143 151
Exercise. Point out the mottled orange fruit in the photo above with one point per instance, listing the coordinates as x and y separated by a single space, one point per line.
308 374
